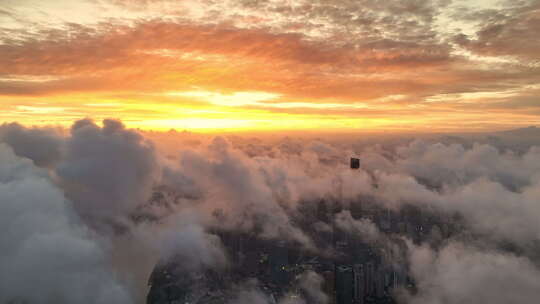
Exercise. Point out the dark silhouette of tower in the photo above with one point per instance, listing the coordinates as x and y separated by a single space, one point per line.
355 163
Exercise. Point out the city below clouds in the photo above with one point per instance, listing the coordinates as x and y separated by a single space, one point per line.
269 152
88 212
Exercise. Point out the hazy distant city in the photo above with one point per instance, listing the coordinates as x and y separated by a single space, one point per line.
104 214
269 151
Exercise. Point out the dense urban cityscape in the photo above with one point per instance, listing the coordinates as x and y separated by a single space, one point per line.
353 270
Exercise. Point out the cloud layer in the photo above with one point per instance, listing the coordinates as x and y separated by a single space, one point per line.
104 204
47 254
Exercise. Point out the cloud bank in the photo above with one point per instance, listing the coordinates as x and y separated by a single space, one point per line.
92 210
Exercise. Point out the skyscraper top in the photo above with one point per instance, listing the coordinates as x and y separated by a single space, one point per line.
355 163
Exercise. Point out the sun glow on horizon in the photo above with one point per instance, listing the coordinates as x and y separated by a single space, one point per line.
207 111
229 66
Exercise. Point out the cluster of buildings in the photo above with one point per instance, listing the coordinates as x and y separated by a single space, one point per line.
353 271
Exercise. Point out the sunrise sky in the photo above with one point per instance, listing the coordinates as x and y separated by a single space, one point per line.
211 65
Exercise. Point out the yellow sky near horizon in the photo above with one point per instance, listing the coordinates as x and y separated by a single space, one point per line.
272 65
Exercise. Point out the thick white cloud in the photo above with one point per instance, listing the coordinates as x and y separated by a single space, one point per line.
461 274
454 164
185 240
107 171
235 184
362 228
46 254
43 146
311 283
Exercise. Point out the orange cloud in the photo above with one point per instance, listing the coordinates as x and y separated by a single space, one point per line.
394 72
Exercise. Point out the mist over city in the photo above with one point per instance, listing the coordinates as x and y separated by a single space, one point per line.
100 213
269 152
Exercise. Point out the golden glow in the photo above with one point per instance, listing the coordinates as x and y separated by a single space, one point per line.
206 111
235 99
224 65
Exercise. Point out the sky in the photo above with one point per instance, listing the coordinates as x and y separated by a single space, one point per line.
238 65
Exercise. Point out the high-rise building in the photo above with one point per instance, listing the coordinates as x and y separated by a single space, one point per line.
279 260
355 163
379 282
370 277
344 284
359 283
399 277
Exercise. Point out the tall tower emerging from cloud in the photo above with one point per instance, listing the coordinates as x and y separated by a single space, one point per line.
355 163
